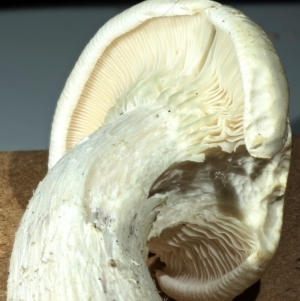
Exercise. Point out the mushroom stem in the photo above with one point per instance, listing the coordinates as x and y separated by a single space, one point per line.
90 217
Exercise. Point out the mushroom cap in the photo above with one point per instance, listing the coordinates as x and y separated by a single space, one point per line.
115 60
168 149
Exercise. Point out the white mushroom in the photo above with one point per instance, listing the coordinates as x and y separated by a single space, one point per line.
190 162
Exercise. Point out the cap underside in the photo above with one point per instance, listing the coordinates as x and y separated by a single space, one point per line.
182 60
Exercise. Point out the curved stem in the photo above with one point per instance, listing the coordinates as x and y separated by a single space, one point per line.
85 231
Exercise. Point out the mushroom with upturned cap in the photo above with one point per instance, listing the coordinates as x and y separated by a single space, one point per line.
171 136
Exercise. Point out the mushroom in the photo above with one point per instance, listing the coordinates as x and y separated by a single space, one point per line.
170 137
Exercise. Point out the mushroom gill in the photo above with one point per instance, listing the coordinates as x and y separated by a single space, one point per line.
211 230
197 255
183 62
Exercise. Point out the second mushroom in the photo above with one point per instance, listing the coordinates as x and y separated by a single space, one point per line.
170 137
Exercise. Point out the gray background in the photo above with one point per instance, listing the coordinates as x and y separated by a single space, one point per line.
39 47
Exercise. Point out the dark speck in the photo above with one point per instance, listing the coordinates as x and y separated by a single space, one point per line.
112 263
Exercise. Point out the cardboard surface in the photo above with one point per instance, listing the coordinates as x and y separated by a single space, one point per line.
20 172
